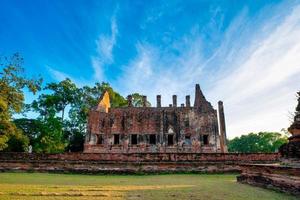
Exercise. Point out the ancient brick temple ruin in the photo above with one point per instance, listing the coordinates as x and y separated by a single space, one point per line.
292 148
183 128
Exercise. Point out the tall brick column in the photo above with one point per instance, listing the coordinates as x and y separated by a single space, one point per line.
144 99
158 101
174 101
222 127
187 101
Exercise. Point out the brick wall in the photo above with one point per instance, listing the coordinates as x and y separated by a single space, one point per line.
186 126
147 157
130 162
283 178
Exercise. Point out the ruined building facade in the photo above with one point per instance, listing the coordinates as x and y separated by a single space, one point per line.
183 128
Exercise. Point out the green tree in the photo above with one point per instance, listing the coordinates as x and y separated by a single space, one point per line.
12 83
48 131
63 94
72 127
265 142
32 129
86 98
51 139
44 133
137 100
17 142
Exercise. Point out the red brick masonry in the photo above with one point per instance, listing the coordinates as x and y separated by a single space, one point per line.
278 177
131 162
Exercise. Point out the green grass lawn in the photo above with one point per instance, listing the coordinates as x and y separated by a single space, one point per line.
44 186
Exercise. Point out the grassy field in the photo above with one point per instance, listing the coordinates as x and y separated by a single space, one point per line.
179 186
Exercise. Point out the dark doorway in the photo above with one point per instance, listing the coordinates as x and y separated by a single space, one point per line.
134 139
170 140
116 139
205 139
100 139
152 139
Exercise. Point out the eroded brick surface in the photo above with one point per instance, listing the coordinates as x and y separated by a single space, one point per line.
155 129
130 162
277 177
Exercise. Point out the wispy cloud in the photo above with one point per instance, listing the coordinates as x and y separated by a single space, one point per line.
104 56
253 65
105 45
255 70
60 76
259 92
155 71
56 74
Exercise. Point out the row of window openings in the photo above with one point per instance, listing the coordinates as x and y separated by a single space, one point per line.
152 139
186 123
134 140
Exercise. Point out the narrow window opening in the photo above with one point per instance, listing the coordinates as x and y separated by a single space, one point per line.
100 139
116 139
170 140
205 139
134 139
152 139
188 140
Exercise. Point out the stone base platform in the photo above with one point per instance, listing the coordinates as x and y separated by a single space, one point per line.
273 176
131 162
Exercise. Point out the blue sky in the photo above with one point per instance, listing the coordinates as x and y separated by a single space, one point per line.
246 53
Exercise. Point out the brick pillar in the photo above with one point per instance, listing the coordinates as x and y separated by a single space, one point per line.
174 101
188 101
129 100
144 101
199 97
222 127
158 101
161 133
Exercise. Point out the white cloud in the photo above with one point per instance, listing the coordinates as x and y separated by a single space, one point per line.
255 70
105 45
153 72
57 75
104 55
257 75
98 68
60 76
259 93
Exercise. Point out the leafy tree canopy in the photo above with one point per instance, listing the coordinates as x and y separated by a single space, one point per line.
265 142
12 83
137 100
79 101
